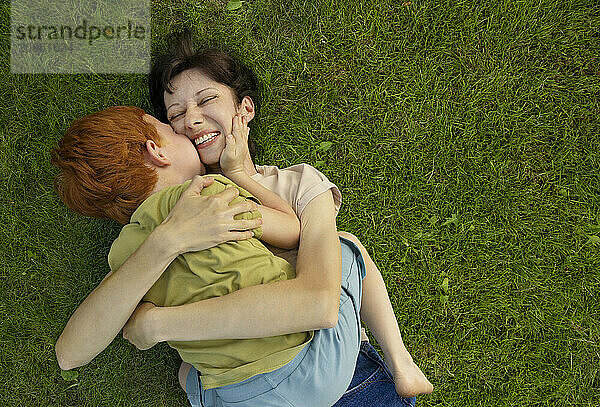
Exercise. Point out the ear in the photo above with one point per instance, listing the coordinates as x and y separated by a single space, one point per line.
247 108
156 155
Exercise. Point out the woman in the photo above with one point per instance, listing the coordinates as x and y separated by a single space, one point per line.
241 308
186 90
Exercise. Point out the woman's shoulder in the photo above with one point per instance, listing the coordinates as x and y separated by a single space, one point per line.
297 184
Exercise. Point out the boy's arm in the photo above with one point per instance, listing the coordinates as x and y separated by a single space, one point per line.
281 226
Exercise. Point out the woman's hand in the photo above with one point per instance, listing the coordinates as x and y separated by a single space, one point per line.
199 222
236 149
138 330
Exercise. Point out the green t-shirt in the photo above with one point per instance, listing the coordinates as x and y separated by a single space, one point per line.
212 273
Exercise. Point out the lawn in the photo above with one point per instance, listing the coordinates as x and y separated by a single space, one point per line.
464 136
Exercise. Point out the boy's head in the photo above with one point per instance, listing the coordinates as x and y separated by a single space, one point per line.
111 161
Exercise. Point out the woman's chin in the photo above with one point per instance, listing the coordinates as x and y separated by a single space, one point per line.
211 156
210 161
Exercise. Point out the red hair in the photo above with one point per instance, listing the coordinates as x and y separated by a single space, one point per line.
103 171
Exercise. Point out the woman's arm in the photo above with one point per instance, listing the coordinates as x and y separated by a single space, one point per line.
281 226
100 317
310 301
105 311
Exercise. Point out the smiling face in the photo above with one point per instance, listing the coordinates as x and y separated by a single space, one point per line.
184 162
202 109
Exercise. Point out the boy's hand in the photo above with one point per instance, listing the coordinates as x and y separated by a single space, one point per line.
236 148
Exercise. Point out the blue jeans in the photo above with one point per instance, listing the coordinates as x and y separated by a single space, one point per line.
372 383
320 374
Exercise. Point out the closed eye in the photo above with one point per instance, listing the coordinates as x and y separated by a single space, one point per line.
175 116
207 99
203 101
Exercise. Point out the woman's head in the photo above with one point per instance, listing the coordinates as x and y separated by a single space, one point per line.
200 92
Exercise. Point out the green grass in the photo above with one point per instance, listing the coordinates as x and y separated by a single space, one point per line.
486 110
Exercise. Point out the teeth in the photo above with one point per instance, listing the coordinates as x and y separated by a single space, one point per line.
205 138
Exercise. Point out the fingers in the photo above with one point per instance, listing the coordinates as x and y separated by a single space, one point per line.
239 235
240 128
245 206
228 195
229 149
246 224
246 131
198 183
237 128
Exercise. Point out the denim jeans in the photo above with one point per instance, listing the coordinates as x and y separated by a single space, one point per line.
319 374
360 376
372 384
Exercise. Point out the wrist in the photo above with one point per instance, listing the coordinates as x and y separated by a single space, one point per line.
166 242
237 177
154 325
249 167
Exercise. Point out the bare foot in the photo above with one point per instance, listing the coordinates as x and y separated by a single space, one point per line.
410 381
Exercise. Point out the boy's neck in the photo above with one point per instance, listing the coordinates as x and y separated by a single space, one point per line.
166 179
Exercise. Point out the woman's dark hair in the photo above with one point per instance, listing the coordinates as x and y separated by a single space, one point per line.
219 65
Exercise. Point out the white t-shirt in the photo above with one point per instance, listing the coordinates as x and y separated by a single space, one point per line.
297 185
